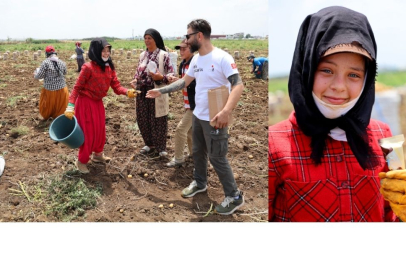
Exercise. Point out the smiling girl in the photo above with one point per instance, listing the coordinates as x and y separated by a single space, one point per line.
325 159
86 101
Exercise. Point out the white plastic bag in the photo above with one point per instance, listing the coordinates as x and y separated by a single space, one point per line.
395 159
151 67
173 56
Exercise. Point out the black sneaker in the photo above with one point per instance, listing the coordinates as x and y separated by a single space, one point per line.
229 205
192 189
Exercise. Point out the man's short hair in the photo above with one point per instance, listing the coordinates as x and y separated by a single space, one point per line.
201 25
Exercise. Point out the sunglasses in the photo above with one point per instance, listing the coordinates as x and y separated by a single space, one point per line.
191 34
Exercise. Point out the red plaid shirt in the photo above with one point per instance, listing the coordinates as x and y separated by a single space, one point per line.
94 83
338 189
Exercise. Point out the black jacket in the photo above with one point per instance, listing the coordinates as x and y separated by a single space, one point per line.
191 87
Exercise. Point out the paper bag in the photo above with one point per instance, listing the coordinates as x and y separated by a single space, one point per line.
161 105
217 100
161 102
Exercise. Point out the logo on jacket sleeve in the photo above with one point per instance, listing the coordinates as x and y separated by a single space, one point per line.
233 65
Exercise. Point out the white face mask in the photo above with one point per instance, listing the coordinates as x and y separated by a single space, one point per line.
334 111
105 59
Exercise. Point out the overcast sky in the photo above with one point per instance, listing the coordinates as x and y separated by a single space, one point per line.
59 19
386 17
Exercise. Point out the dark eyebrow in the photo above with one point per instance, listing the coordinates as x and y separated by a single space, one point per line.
358 69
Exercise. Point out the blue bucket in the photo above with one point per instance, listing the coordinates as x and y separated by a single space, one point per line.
66 131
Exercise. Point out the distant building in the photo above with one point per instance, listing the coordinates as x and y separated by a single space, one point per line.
238 35
218 36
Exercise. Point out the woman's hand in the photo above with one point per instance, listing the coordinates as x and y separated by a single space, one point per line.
156 76
70 111
131 93
133 83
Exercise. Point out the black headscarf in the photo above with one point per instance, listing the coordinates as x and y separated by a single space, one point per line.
320 31
157 37
95 51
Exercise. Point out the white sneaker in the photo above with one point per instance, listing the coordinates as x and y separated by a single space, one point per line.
174 163
145 150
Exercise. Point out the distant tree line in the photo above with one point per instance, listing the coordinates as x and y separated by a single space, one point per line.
38 41
109 39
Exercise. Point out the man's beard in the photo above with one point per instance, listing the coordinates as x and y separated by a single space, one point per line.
194 46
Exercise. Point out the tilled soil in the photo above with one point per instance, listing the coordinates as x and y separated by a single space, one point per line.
153 191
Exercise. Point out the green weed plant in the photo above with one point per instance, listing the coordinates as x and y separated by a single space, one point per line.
69 196
20 130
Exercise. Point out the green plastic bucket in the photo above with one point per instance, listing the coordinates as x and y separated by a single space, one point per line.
66 131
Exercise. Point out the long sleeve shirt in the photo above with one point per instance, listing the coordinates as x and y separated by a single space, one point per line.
79 52
257 63
53 72
338 189
142 74
94 83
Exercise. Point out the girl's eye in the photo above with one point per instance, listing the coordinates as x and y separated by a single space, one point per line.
326 71
352 75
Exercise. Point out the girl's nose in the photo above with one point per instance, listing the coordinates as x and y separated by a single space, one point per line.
338 83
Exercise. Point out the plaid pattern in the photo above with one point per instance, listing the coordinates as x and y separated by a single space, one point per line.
54 79
336 190
94 83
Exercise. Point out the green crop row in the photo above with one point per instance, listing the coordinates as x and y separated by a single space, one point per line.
232 45
392 78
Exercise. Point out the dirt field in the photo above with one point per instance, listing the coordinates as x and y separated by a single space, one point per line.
33 159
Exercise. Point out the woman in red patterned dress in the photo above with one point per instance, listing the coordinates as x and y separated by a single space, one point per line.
86 101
